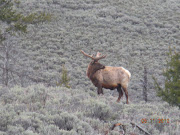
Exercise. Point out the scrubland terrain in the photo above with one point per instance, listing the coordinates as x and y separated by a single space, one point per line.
131 33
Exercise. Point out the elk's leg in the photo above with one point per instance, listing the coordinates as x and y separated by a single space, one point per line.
98 85
99 90
126 93
120 92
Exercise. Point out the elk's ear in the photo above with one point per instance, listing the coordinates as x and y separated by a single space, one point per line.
102 67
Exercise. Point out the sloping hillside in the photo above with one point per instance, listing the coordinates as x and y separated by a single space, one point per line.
132 33
61 111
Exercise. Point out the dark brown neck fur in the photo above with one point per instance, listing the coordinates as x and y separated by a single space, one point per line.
92 68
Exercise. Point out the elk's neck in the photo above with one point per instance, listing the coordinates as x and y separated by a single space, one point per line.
92 70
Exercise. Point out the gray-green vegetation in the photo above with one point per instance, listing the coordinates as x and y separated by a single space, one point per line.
64 78
15 23
38 109
133 33
171 90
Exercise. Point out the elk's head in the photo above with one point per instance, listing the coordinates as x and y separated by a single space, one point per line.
94 65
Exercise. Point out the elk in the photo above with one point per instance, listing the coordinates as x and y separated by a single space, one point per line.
107 76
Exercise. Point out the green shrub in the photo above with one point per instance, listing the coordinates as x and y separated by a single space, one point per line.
50 129
69 122
171 89
7 115
98 109
15 130
64 121
64 78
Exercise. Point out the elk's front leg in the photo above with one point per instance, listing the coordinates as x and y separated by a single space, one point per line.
98 85
99 89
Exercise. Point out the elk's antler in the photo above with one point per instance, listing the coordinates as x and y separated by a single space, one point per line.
98 54
98 57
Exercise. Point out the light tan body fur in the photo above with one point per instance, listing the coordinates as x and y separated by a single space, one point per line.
111 77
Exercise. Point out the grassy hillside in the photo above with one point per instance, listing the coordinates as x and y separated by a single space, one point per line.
58 110
132 33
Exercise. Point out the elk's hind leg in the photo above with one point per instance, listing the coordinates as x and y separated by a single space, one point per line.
126 93
119 89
